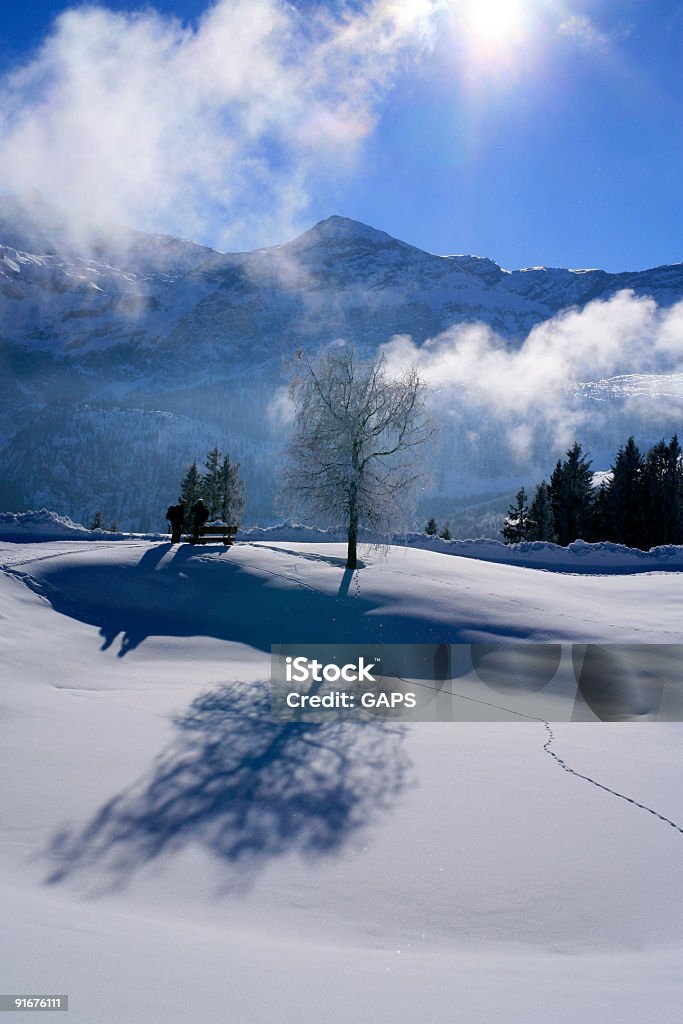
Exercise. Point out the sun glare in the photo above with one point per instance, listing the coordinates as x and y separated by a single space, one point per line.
493 24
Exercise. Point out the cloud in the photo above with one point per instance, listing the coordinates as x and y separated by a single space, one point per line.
585 32
533 388
220 131
145 121
280 410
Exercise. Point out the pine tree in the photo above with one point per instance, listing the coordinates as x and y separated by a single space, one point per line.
674 493
446 533
624 497
431 529
98 522
231 495
541 521
600 529
212 485
663 489
516 527
191 488
572 497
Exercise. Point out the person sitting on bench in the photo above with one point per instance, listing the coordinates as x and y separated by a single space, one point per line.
200 514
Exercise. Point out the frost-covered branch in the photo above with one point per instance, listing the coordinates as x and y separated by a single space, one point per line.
358 439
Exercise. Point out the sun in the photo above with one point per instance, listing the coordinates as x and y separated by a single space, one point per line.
493 24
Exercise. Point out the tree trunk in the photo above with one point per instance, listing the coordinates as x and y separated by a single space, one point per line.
351 560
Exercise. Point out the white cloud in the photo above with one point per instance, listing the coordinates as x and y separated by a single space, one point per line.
531 388
580 28
280 411
147 122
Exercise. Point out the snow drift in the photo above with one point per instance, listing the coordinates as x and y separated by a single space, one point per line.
170 854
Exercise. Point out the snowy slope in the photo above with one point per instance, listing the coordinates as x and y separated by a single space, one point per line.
105 331
170 855
72 286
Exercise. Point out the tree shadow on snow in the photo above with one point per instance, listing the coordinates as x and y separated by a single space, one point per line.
244 787
194 593
310 556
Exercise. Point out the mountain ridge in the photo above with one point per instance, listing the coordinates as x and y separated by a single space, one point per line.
30 208
127 342
339 278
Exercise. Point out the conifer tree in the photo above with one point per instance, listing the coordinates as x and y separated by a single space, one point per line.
98 522
231 495
212 484
663 486
541 521
446 533
600 519
191 488
572 497
516 525
624 497
431 529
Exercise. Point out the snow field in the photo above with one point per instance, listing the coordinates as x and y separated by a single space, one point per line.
169 854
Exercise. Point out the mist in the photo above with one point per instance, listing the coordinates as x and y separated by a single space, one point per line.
218 131
536 392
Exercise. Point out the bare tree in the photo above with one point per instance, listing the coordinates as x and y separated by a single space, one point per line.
356 452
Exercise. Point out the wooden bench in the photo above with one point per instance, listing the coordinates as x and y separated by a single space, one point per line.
214 532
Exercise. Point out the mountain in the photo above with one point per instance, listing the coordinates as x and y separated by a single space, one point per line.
76 288
99 319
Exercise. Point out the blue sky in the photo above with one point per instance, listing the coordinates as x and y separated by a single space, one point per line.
543 132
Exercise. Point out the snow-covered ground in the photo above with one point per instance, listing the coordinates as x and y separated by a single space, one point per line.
169 854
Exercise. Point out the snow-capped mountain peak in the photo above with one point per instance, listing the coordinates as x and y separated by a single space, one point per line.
336 230
104 332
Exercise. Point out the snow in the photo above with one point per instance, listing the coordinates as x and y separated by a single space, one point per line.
45 525
41 525
602 476
149 287
655 386
10 263
603 556
580 556
169 854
